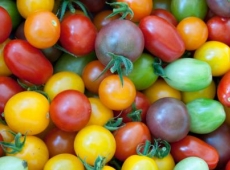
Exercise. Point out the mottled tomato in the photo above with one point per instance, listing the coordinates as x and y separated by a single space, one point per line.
6 24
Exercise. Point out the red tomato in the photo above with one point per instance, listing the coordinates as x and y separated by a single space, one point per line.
128 137
78 34
193 146
162 38
27 62
70 110
227 167
223 89
8 87
6 24
165 14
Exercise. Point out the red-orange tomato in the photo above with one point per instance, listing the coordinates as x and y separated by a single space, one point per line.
165 14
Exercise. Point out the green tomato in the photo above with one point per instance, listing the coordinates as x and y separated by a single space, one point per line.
206 115
188 74
143 75
162 4
12 163
67 62
191 163
186 8
11 7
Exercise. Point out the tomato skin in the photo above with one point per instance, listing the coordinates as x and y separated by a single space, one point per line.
166 163
223 89
8 87
2 153
33 67
128 137
220 8
165 14
73 115
78 34
192 161
161 38
4 70
193 146
227 167
6 24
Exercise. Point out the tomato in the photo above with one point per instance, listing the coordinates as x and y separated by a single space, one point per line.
64 161
91 75
78 34
5 132
216 54
160 89
128 137
166 163
34 151
194 74
217 29
168 119
143 71
208 92
6 24
61 81
67 62
100 19
193 31
219 8
138 162
193 146
26 8
106 167
33 67
100 114
8 87
227 166
2 153
4 70
94 6
183 8
59 142
140 9
161 38
140 104
73 115
42 29
165 14
114 95
27 112
223 87
206 115
193 162
52 53
91 136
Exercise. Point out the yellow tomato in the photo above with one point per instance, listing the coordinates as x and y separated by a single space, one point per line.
5 132
137 162
64 80
208 92
27 7
34 151
4 70
216 54
160 89
166 163
93 141
106 167
100 114
27 112
64 161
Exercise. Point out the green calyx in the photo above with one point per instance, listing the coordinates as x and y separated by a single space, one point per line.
114 124
135 114
98 164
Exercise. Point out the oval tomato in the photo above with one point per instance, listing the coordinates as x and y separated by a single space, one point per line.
223 89
4 70
161 38
6 24
165 14
33 67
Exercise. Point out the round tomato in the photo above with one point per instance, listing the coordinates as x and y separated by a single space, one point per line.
6 24
216 54
26 7
64 161
42 29
64 80
27 112
165 163
73 115
93 141
193 162
114 95
5 131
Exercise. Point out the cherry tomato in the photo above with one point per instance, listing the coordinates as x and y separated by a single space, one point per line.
165 14
114 95
166 163
73 115
223 89
4 70
6 24
42 29
227 167
27 112
5 132
1 149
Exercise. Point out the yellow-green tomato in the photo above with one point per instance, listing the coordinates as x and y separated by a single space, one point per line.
191 163
137 162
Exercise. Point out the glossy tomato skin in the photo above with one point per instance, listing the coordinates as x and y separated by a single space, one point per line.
223 89
128 137
121 37
165 14
220 8
33 67
162 38
6 24
193 146
8 87
78 34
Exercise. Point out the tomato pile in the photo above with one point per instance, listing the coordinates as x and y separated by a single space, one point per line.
115 85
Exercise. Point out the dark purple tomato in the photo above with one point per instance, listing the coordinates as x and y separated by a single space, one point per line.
219 7
168 119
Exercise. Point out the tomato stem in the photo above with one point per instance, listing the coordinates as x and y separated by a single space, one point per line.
120 8
163 148
158 69
146 149
113 124
135 114
98 164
